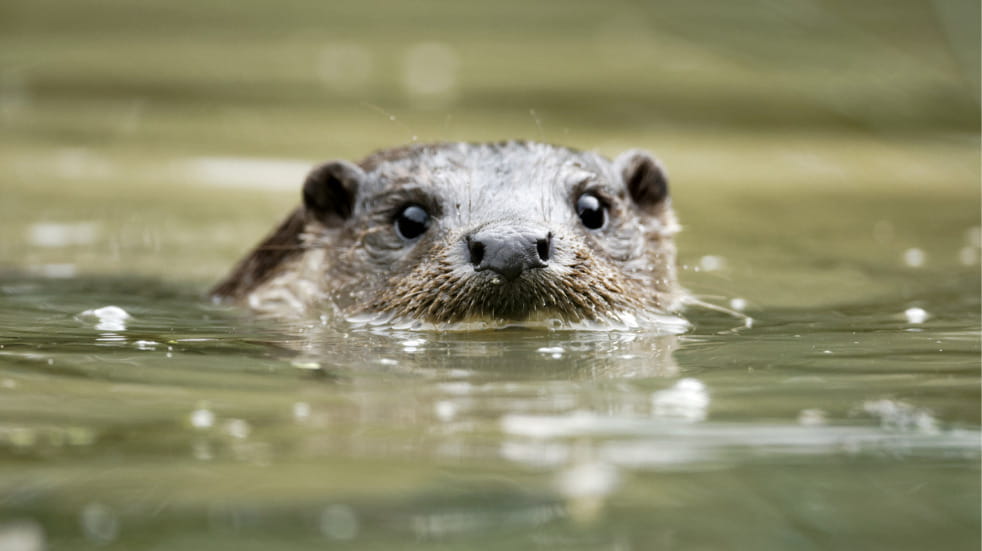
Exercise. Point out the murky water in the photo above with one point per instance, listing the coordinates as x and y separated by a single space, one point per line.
184 425
841 214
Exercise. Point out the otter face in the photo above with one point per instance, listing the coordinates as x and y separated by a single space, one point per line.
494 232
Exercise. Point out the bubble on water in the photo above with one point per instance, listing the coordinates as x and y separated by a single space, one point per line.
108 318
387 361
202 418
21 535
445 410
49 234
969 256
914 257
738 304
711 263
686 400
146 345
99 523
345 66
237 428
812 417
901 416
301 411
915 315
338 522
430 70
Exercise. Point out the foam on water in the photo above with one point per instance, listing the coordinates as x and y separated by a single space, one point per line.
107 318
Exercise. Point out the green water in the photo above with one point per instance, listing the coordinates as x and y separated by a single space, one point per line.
824 160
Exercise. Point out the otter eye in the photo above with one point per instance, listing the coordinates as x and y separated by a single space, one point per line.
412 222
592 211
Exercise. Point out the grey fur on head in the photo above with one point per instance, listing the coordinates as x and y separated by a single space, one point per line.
508 231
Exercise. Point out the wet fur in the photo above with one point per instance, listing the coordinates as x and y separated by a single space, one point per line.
361 267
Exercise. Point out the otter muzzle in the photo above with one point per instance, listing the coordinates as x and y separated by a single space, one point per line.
509 251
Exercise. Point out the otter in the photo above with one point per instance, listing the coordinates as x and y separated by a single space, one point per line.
451 233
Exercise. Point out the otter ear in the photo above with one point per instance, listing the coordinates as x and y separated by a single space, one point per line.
644 177
329 191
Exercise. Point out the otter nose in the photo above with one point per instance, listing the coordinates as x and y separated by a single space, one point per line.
509 251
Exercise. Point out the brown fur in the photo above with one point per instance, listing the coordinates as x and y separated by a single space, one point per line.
351 257
282 244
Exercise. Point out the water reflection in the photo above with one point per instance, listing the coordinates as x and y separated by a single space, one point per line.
521 352
445 437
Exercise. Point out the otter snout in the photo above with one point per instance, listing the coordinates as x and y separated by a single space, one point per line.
509 251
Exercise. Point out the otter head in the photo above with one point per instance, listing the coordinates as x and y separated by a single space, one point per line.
494 232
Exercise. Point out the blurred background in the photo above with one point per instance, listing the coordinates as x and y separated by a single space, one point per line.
824 161
150 137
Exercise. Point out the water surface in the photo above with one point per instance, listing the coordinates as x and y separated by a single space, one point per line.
824 161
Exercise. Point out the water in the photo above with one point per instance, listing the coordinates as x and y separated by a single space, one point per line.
188 425
827 184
